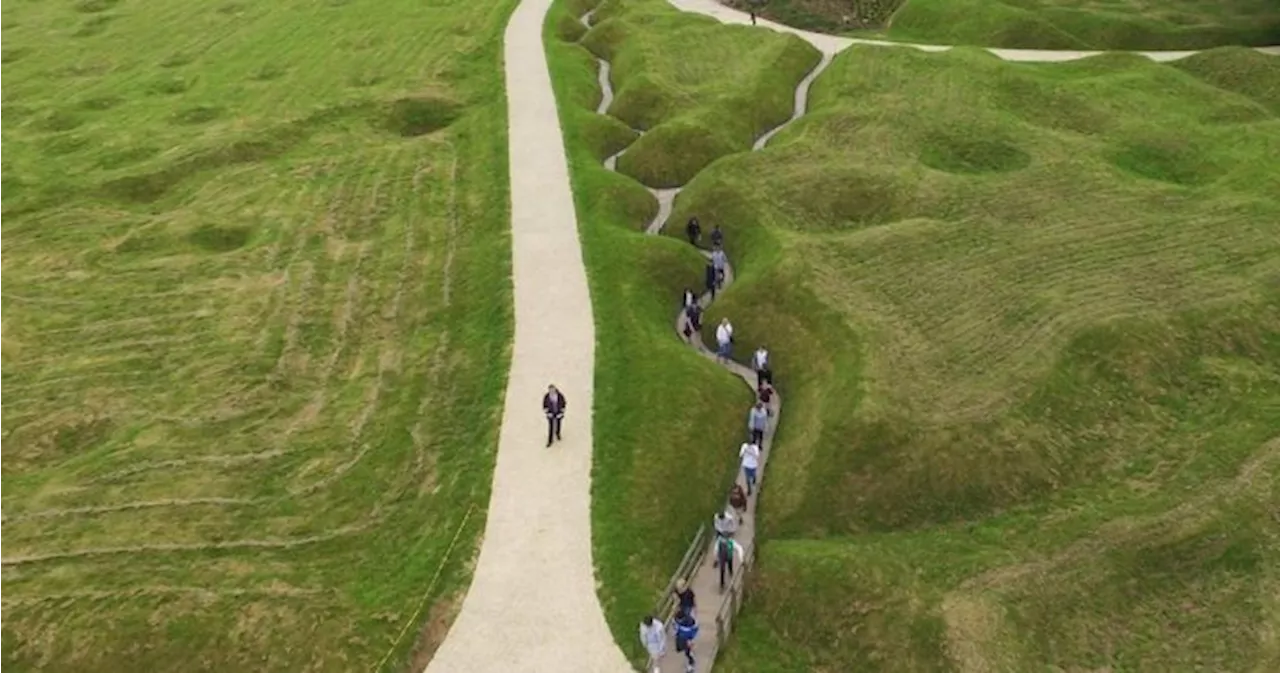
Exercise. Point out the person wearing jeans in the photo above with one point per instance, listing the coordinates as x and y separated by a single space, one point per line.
553 404
686 632
757 421
750 455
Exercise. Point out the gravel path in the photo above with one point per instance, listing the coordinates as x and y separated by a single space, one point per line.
532 604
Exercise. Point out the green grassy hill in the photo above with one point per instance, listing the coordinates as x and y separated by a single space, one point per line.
1027 321
666 419
256 313
1043 24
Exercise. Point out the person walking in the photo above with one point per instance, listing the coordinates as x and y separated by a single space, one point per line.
653 635
553 404
686 632
726 550
737 498
686 601
750 455
692 320
765 394
757 421
725 522
717 237
760 363
720 261
709 278
694 231
724 340
689 298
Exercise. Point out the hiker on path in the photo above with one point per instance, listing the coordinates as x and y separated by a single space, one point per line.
694 231
692 320
553 404
685 599
686 632
725 522
720 261
710 277
750 454
726 549
760 363
717 237
757 421
737 498
724 340
689 298
765 394
653 635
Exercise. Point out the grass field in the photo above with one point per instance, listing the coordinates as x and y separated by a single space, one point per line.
666 420
256 316
1026 321
1044 24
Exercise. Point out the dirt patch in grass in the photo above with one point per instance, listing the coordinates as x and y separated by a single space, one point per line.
432 634
422 114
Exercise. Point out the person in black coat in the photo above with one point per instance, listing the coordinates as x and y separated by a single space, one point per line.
693 230
711 278
553 405
717 237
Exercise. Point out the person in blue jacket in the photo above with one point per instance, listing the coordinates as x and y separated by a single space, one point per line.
686 631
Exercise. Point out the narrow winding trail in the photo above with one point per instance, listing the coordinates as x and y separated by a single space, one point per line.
532 603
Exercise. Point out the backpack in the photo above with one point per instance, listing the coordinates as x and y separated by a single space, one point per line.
737 497
724 550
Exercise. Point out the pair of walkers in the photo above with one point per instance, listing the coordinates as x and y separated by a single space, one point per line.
653 635
694 231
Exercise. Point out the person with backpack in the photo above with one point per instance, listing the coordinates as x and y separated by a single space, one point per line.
709 278
737 497
694 231
760 363
724 340
757 421
686 632
750 455
688 298
717 237
653 635
553 404
726 549
725 522
765 394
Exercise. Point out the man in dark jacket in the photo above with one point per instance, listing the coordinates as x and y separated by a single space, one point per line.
717 237
711 279
553 405
693 231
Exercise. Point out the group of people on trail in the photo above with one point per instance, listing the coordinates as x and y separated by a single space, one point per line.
728 551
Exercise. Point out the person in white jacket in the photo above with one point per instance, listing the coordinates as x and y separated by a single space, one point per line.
653 635
724 340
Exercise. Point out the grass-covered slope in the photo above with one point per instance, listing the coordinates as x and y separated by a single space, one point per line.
667 421
256 313
699 89
1043 24
1030 325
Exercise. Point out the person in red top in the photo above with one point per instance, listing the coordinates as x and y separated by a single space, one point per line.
553 405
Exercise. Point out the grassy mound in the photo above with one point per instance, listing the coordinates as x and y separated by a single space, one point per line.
1025 321
700 89
1059 24
1040 24
254 343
